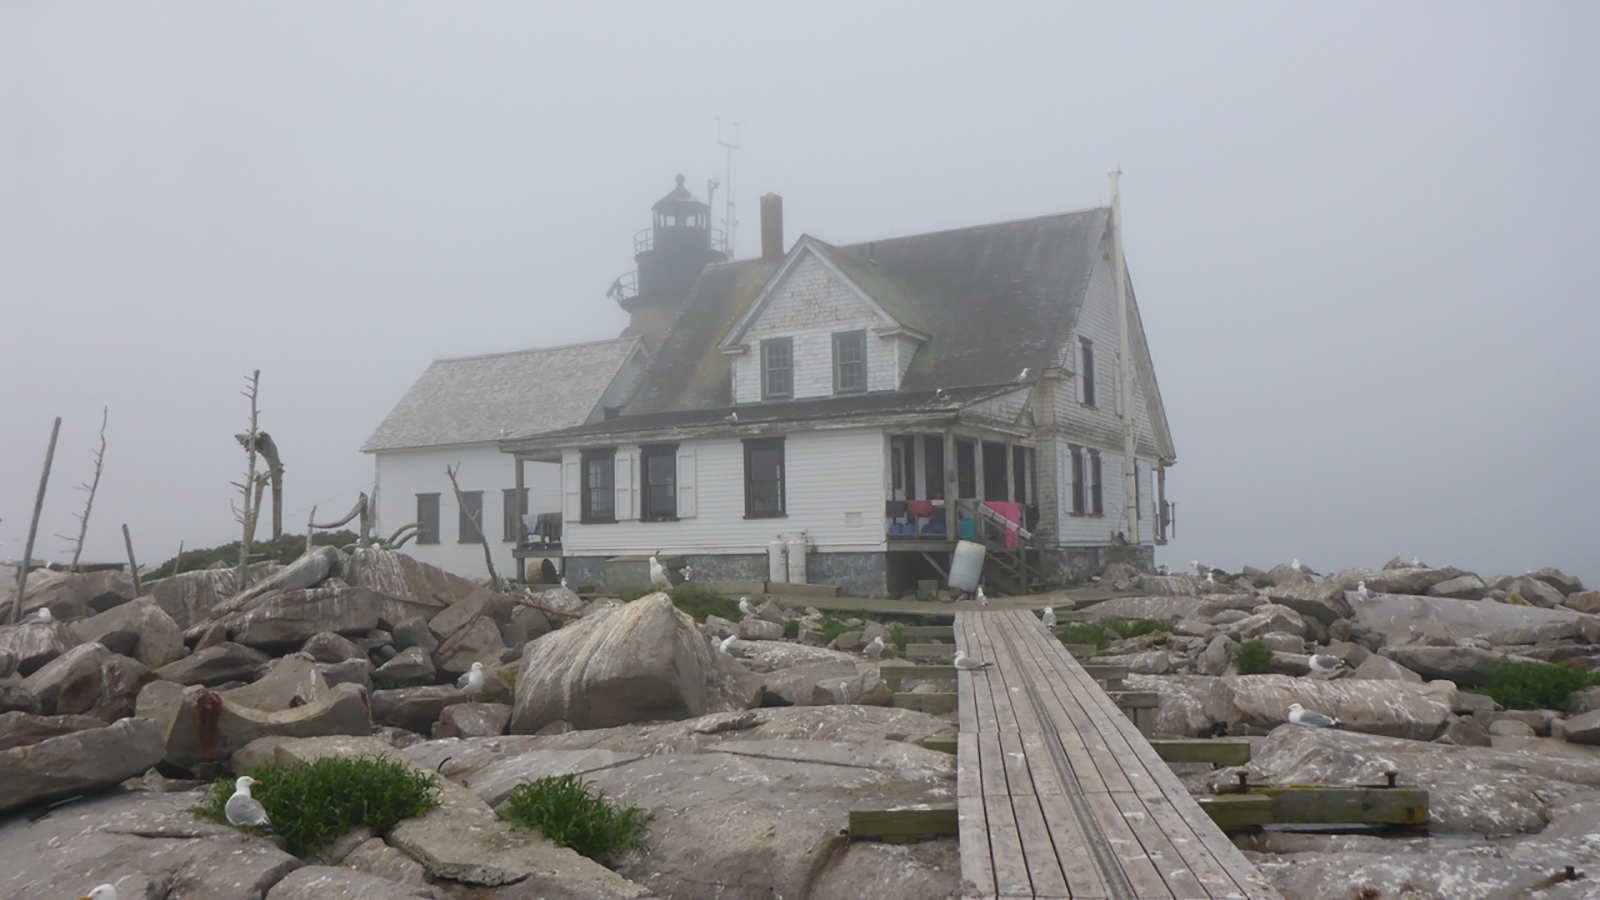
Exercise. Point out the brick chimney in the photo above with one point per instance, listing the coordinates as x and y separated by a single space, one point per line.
771 227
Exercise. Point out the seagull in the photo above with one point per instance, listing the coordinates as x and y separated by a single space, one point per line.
1049 618
963 661
874 649
1361 589
1301 716
982 600
941 394
103 892
1198 568
1302 569
732 646
472 682
1163 570
1210 584
1321 662
659 576
40 616
746 607
244 810
564 583
688 572
731 418
1023 375
1416 563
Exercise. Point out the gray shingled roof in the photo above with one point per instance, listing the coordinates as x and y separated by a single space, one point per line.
994 298
488 398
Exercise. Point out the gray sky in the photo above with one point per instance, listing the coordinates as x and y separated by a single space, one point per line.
1364 237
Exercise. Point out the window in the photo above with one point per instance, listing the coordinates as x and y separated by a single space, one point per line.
1021 474
599 479
659 474
1079 492
849 362
513 509
777 368
994 471
763 478
1095 505
933 466
966 470
471 524
427 518
1086 370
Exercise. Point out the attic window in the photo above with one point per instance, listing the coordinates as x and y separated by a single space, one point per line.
1086 371
849 362
777 368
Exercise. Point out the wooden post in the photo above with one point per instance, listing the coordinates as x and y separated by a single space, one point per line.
33 529
133 565
247 516
311 526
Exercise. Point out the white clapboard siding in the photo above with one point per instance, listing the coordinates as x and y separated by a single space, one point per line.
834 492
571 484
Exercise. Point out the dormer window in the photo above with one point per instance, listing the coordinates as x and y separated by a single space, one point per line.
849 362
777 368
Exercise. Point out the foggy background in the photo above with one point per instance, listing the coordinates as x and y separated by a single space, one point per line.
1364 237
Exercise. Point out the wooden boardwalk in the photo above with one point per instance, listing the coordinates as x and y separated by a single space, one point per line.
1060 796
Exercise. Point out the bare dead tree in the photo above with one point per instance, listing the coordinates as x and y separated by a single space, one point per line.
268 449
488 559
252 504
91 487
33 529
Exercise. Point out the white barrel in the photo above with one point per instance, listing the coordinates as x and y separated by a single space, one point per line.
777 561
966 564
797 558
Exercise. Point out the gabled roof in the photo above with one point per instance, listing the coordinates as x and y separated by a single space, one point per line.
488 398
992 299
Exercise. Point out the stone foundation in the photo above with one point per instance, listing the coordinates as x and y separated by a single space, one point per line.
1065 564
854 574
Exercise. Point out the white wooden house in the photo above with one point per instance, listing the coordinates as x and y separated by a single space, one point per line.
456 414
883 399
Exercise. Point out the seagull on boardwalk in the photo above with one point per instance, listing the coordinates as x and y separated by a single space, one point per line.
103 892
874 649
1301 716
1023 375
243 810
659 576
746 607
731 418
1303 569
472 682
40 616
982 600
1362 591
1321 662
732 646
963 661
1049 617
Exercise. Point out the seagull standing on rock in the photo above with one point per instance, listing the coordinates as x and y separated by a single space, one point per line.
874 649
732 646
745 606
40 616
1299 715
103 892
1325 664
1361 590
967 663
1303 569
472 682
243 810
659 576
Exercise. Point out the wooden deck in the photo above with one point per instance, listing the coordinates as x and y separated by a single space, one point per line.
1060 796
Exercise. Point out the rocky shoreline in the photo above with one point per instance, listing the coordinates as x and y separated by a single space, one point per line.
115 712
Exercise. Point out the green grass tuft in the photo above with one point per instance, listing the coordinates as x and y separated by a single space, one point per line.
1143 627
1263 583
1253 658
574 813
1094 633
310 805
1535 685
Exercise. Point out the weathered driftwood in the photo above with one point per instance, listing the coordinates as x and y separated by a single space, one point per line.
247 515
33 529
133 565
477 525
91 487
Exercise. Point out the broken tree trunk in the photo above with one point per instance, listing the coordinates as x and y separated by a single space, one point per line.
91 487
33 529
477 525
247 515
133 565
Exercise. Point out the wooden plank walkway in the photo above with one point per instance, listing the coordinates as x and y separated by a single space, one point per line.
1058 794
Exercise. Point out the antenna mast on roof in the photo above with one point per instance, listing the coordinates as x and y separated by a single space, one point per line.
729 223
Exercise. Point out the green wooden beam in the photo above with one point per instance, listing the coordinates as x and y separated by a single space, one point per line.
1221 751
1103 671
893 675
1237 810
930 651
1293 804
903 822
928 703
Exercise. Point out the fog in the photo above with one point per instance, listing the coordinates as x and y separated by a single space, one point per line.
1364 237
